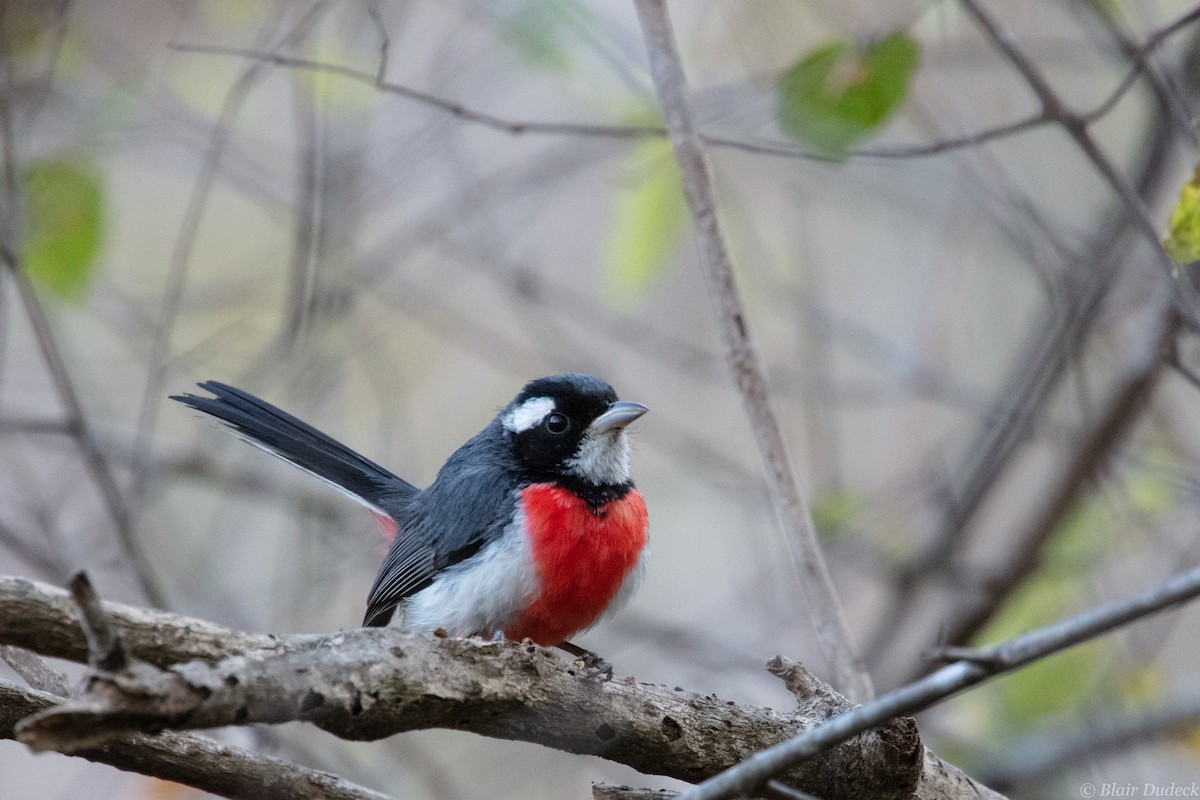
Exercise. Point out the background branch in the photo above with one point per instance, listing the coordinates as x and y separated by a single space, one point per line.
985 663
812 573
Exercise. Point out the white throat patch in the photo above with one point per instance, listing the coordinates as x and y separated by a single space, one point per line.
602 459
528 414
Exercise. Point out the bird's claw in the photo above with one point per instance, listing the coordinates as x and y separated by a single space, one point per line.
597 668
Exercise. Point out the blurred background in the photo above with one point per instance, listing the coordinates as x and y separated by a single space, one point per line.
220 190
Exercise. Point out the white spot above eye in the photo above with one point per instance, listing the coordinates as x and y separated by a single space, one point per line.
528 414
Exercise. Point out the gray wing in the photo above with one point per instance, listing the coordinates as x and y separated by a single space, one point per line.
469 505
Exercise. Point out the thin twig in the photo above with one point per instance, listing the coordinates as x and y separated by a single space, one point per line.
744 779
1124 406
1137 55
160 350
458 110
76 421
467 114
80 431
825 608
105 650
1076 127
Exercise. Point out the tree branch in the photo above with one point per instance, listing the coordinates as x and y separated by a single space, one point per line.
1076 126
1138 55
34 670
1124 406
372 683
825 608
42 618
193 760
976 667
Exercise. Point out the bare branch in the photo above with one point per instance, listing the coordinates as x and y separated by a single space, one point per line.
743 780
181 256
370 683
1076 126
607 791
105 651
194 760
76 422
43 618
1137 54
34 670
1124 406
458 110
825 608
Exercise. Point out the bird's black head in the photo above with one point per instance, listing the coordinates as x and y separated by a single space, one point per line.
571 427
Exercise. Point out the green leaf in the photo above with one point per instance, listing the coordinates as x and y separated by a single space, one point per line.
1053 686
1183 243
1151 484
839 94
649 215
64 203
834 511
1060 684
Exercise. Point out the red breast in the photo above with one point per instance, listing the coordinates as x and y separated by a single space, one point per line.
582 556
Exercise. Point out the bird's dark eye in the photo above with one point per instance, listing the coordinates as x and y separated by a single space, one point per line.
557 423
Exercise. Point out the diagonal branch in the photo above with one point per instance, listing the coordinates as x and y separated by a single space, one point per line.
34 670
825 608
976 667
181 255
462 112
1125 405
76 423
1076 127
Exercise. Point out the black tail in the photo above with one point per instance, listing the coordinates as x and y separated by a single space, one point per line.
281 434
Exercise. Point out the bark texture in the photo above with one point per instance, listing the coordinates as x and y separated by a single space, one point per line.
362 684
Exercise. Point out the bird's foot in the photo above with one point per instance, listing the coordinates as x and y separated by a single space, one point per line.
598 669
595 668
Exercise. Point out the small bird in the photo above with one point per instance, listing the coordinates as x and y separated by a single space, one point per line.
532 529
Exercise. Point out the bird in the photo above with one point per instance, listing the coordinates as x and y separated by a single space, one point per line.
532 529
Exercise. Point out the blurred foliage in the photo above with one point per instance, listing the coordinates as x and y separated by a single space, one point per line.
1190 740
330 91
540 30
834 511
1060 684
648 218
1150 484
1143 686
64 203
1111 8
839 93
1183 242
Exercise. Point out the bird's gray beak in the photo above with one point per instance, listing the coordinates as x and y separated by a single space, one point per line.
617 416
